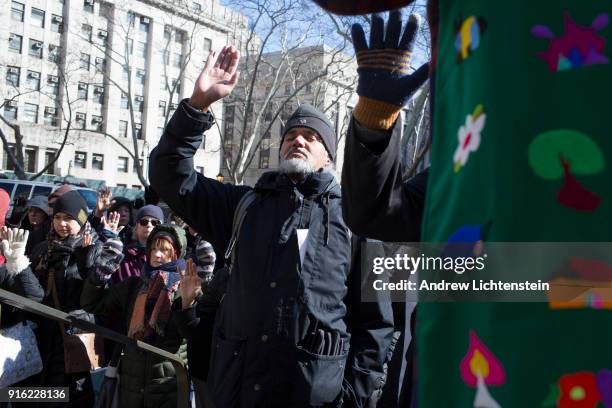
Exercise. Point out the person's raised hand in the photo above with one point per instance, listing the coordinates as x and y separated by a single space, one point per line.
191 284
112 223
384 81
217 79
103 200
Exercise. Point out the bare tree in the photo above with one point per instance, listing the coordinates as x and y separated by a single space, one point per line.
288 58
63 120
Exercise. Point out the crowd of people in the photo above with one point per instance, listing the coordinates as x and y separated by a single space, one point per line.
113 267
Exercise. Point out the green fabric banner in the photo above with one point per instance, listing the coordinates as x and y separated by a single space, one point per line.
522 152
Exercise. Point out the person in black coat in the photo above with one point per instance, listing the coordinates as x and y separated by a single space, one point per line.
65 260
282 335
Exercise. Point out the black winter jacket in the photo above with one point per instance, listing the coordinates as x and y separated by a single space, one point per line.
272 300
147 380
71 263
379 204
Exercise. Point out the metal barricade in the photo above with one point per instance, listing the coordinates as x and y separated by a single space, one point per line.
28 305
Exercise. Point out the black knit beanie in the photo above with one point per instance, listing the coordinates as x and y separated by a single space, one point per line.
310 117
73 204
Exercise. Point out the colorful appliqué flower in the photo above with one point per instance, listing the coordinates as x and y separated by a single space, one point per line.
480 368
469 137
578 390
467 36
578 47
565 153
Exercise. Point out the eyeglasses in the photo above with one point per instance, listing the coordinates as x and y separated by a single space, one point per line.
145 221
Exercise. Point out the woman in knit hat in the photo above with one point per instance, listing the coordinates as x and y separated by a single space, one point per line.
145 302
61 263
147 218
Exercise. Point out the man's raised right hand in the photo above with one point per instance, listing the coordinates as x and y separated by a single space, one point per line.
217 79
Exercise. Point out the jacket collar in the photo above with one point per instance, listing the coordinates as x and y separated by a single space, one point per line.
318 183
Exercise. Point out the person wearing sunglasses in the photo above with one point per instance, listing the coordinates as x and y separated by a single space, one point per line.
147 218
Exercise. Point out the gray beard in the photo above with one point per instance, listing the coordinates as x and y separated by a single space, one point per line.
296 168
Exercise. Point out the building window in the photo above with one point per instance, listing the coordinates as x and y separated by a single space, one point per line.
167 33
144 24
82 91
122 164
53 84
15 42
124 101
33 81
38 17
197 7
177 60
10 109
54 53
141 77
141 162
84 61
123 128
29 159
96 123
162 109
179 37
207 44
30 113
80 120
97 162
101 38
141 49
138 103
80 160
100 64
50 117
7 162
125 74
57 23
88 6
50 157
138 128
35 49
12 76
130 17
17 11
86 31
98 94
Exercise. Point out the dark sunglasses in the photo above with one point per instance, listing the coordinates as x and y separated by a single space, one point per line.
145 222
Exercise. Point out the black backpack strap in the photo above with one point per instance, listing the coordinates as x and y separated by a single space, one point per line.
239 215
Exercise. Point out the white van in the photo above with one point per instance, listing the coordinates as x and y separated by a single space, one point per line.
28 189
